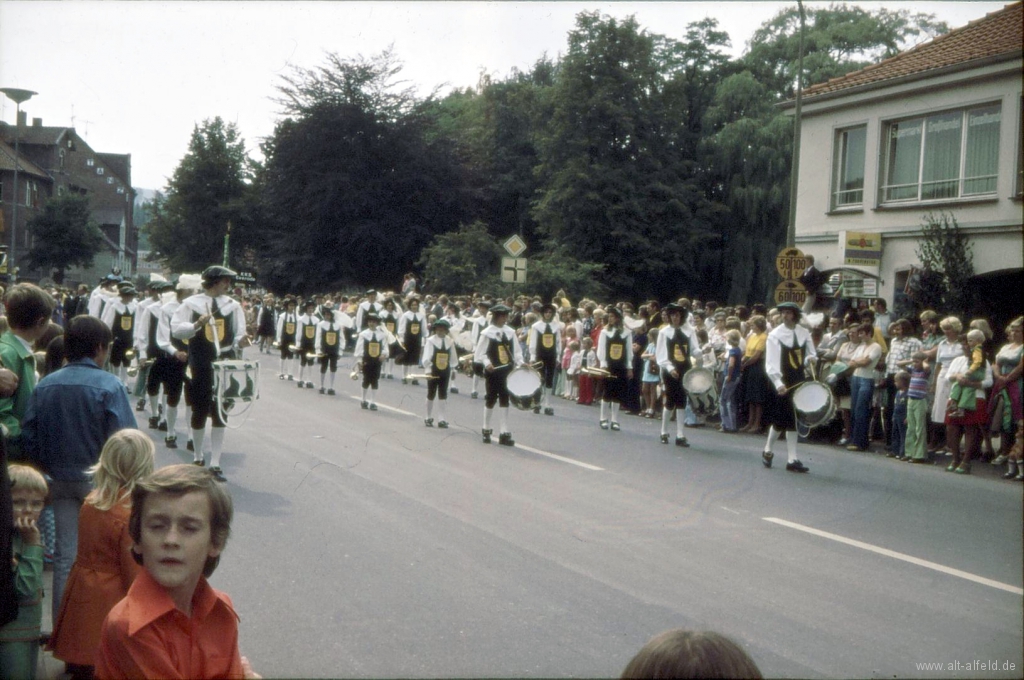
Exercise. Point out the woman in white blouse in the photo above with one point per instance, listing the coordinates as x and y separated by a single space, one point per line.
949 348
969 425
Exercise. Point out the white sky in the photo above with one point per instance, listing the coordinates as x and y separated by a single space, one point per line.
135 77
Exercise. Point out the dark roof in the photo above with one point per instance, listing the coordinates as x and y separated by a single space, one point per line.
995 35
36 134
108 216
25 165
119 164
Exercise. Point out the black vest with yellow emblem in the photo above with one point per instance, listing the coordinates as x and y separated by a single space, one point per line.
372 346
792 360
615 347
441 359
679 350
546 344
499 350
123 330
307 330
201 348
330 341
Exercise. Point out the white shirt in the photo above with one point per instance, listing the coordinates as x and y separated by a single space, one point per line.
773 350
961 366
667 333
183 327
495 333
602 346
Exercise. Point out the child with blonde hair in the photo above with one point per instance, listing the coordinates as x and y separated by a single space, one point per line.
571 365
962 398
104 568
19 639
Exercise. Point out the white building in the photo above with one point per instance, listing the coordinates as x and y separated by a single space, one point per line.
936 128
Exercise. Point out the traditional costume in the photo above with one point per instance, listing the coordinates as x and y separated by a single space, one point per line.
498 352
788 352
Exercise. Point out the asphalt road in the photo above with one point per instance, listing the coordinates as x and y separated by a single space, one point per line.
366 545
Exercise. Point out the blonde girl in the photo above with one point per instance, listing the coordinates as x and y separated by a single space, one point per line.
104 568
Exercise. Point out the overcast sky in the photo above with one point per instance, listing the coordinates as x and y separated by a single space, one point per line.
136 77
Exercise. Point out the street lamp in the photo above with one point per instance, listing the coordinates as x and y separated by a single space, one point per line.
17 96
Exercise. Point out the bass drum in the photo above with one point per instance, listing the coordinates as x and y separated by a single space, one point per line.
813 405
524 388
701 392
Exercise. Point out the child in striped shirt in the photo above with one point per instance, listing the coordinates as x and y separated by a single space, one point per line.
916 438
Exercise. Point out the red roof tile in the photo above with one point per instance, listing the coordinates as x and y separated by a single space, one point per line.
995 34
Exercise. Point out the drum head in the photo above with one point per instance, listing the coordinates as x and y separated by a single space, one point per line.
698 380
524 381
813 404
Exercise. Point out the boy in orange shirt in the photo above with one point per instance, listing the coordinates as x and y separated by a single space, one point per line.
179 524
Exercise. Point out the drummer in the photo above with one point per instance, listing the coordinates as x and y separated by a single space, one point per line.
545 344
498 352
306 341
615 353
788 352
439 357
479 323
371 353
676 353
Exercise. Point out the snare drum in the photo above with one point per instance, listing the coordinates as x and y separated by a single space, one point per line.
235 379
524 387
701 391
814 405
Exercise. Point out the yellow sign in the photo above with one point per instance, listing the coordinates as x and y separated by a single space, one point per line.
790 291
791 263
515 246
862 249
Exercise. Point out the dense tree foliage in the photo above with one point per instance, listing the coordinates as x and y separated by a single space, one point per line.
208 190
634 165
353 187
63 235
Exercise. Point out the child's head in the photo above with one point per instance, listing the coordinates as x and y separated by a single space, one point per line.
684 653
588 342
919 358
126 458
29 308
652 335
733 338
185 506
574 346
902 380
702 336
28 490
975 337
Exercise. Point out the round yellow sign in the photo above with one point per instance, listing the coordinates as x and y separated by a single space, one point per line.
790 291
791 263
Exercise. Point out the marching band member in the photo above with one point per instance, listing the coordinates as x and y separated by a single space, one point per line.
438 358
498 352
119 315
266 325
172 364
287 327
214 325
788 351
371 352
367 306
306 335
456 322
615 354
675 353
545 344
149 352
411 331
329 339
479 323
389 323
102 294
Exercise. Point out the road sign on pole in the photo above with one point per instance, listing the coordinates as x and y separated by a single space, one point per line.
515 246
790 291
513 270
790 263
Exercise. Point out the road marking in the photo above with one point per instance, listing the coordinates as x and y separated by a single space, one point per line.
735 512
586 466
390 408
899 556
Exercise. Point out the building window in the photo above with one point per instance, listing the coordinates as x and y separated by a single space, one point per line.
90 162
99 171
954 154
110 180
120 189
849 167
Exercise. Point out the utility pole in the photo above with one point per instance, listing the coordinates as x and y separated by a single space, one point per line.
795 170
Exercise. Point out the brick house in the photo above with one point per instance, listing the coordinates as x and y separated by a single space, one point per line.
56 161
936 128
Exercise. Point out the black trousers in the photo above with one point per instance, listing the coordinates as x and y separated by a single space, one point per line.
371 374
497 388
438 387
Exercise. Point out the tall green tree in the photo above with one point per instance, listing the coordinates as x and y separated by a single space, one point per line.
208 189
356 180
616 189
64 235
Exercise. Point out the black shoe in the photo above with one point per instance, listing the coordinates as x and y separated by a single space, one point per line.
218 474
664 439
766 458
505 439
603 424
331 392
190 446
405 381
796 466
615 426
536 409
301 384
309 385
153 422
171 442
200 462
162 426
280 376
453 389
373 407
291 377
681 441
323 391
549 411
141 406
487 435
364 405
429 422
442 425
415 381
473 395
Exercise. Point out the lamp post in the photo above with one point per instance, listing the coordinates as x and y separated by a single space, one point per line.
795 170
17 96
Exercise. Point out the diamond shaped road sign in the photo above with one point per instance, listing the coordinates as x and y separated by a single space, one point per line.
515 246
